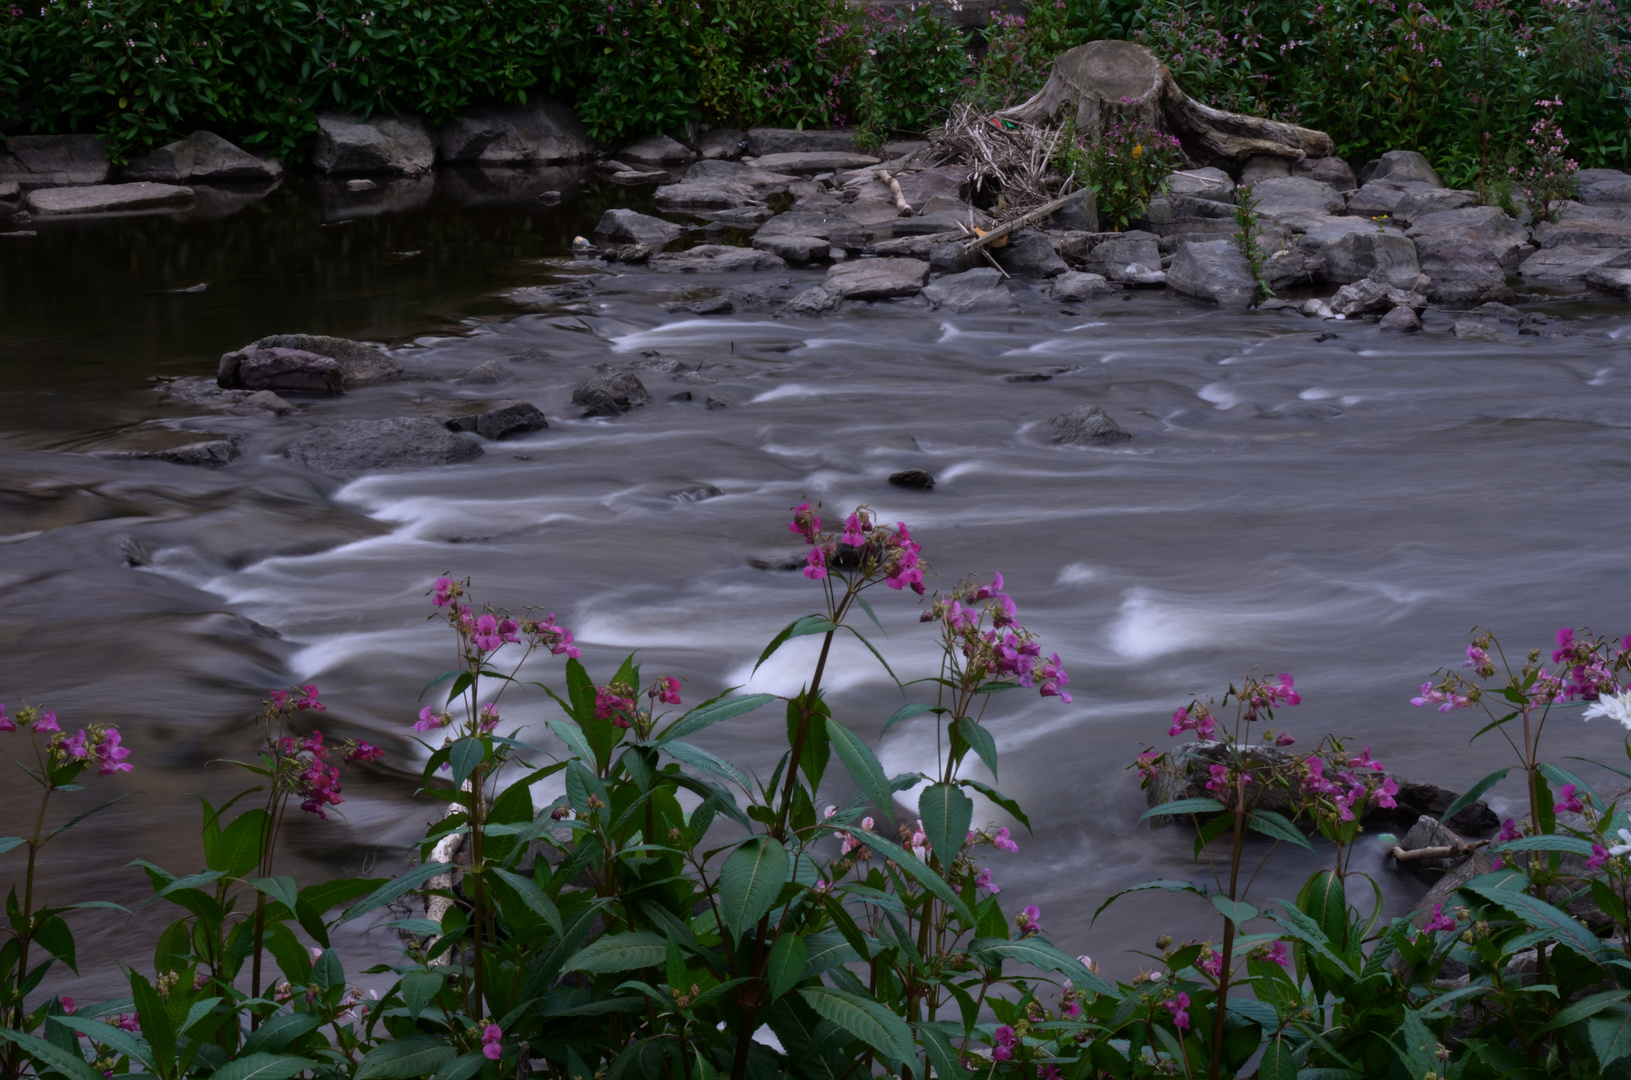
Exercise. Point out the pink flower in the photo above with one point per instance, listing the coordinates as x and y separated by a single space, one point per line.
1000 839
610 705
364 752
1277 954
46 721
1438 920
127 1022
1284 692
982 880
1509 831
486 635
1429 696
6 722
1283 739
1364 761
1212 965
309 701
853 535
1599 856
557 639
1029 921
986 592
1179 1008
668 690
805 523
429 718
817 568
488 717
73 748
444 592
1005 1041
1385 794
110 756
1568 801
490 1038
1053 678
68 1005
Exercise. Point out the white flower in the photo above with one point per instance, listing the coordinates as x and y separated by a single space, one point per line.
1613 706
1625 848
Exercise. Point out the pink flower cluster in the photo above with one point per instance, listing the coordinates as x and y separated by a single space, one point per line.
1179 1008
863 543
293 701
614 703
1003 1042
100 745
1347 791
1004 651
492 630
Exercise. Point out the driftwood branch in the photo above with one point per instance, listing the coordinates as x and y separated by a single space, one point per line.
901 205
1447 851
1020 222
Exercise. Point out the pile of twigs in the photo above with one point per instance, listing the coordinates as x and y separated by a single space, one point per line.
1013 162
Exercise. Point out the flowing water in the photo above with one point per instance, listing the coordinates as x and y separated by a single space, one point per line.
1342 509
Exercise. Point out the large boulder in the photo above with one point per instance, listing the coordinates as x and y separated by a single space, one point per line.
1461 273
1586 226
792 249
1369 297
1087 425
1074 287
1603 187
202 155
1403 165
282 370
721 143
360 365
623 226
503 420
1121 257
876 279
716 258
1030 254
1566 263
1611 279
942 182
837 228
537 133
108 199
1282 195
1485 226
658 148
363 446
1210 183
1383 256
980 289
1330 170
347 146
1215 271
55 160
1424 199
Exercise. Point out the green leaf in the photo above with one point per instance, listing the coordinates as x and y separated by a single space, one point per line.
70 1064
866 1021
464 755
1275 825
620 952
980 740
809 624
406 1058
1610 1034
1547 842
157 1027
282 889
1185 806
906 712
1306 930
124 1042
1277 1062
280 1031
531 895
1561 776
419 989
465 1066
708 761
942 1058
1236 911
263 1067
76 819
1588 1006
1472 794
9 842
712 712
1000 799
572 735
918 871
239 846
947 814
863 766
753 875
1039 953
394 888
786 967
1541 915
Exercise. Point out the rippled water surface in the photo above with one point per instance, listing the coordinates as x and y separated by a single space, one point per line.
1341 509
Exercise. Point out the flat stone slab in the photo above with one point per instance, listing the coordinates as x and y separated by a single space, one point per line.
815 161
1610 280
876 279
108 198
718 258
505 419
361 446
1567 262
980 289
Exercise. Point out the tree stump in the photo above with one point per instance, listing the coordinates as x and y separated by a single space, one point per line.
1103 79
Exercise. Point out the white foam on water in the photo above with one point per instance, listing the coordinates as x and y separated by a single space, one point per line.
1318 393
1218 394
798 390
1084 326
704 331
1078 573
1148 626
1600 377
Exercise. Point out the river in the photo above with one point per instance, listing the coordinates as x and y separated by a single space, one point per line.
1341 509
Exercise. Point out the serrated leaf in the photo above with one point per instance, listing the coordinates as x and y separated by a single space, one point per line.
280 1031
863 765
620 952
419 989
282 889
1236 911
264 1067
786 966
708 761
980 741
906 712
753 875
919 872
712 712
1040 953
1275 825
70 1064
865 1020
947 814
809 624
531 895
405 1058
394 888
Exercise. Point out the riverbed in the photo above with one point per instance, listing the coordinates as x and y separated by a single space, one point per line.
1317 498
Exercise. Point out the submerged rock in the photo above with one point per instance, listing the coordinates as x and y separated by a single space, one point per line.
1087 424
1401 320
500 422
628 227
359 446
913 479
610 395
716 257
108 199
286 370
360 365
489 373
211 453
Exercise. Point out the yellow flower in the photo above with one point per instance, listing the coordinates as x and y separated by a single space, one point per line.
1138 151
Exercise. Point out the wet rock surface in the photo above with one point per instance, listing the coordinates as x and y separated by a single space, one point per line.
350 447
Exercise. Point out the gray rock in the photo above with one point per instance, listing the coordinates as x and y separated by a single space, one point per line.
1074 287
139 197
1566 263
1087 424
812 301
795 250
658 148
738 217
1330 170
200 156
1461 272
1610 279
1172 210
537 133
628 227
1293 266
503 420
1603 187
346 145
1384 256
1113 256
490 373
767 140
1476 329
980 289
1140 278
913 479
1401 320
813 161
876 279
722 143
1211 183
1029 254
925 186
1081 213
210 453
1373 297
918 247
281 369
610 395
360 365
709 195
1586 226
10 189
1379 198
1420 202
55 160
1487 226
361 184
1215 271
839 230
1263 167
267 401
362 446
1404 165
716 258
1282 195
953 257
